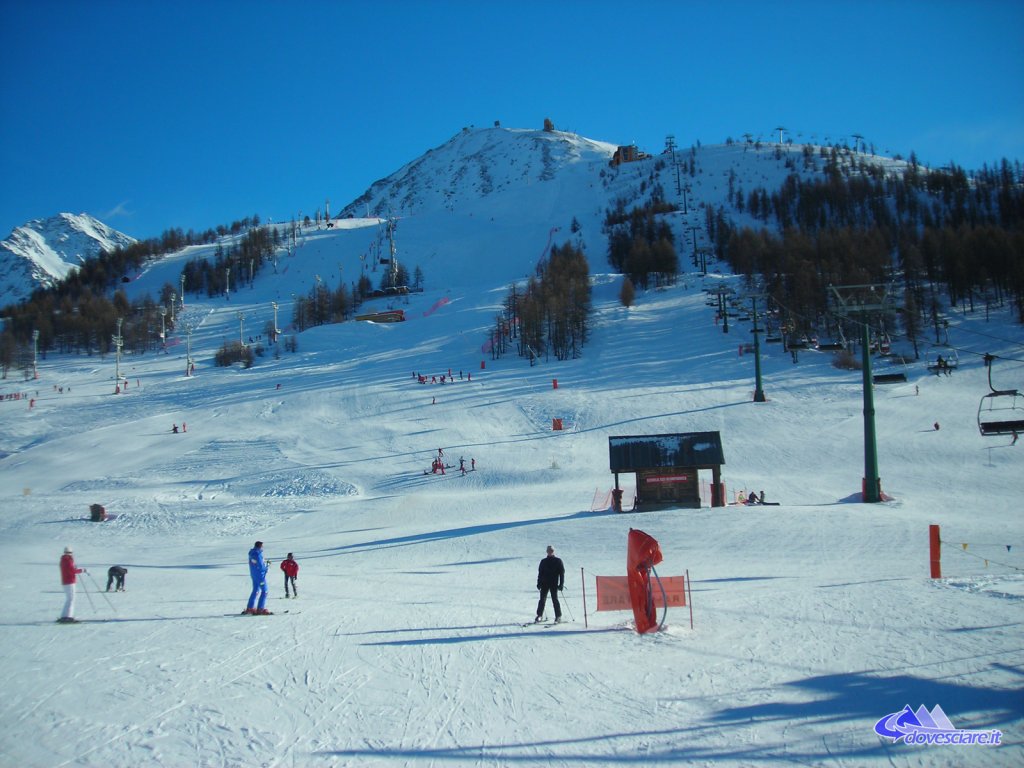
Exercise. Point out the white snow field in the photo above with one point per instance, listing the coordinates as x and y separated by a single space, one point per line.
813 619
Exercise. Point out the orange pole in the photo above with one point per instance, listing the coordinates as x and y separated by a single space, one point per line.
584 582
935 551
689 597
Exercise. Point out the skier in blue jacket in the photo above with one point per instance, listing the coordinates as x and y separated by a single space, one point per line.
258 573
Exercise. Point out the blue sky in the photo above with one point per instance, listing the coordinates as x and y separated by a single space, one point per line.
150 115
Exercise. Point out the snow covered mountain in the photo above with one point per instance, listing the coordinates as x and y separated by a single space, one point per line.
477 164
814 620
532 187
486 167
44 251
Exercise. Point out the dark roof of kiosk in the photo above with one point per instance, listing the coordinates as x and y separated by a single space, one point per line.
628 453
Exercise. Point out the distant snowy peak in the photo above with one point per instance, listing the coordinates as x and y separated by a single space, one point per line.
44 251
477 164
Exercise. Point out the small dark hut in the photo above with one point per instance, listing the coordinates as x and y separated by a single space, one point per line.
666 468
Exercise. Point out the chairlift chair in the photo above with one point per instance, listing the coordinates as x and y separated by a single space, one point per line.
950 361
1001 411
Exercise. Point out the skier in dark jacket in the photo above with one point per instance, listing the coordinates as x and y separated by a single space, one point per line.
116 573
550 578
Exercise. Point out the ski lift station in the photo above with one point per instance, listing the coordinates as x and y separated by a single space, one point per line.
667 469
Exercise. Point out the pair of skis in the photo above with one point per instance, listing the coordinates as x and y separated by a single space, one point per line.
96 621
545 623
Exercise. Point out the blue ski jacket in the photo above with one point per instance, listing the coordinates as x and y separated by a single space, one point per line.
257 566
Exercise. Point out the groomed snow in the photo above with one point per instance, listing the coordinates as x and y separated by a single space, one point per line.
812 620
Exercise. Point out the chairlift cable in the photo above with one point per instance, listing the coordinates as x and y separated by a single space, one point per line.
881 330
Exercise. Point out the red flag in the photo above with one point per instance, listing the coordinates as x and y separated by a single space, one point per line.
643 553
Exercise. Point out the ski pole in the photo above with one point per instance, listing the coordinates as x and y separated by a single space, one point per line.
86 591
93 578
571 617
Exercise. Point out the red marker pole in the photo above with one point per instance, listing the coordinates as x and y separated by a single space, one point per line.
935 551
583 581
689 597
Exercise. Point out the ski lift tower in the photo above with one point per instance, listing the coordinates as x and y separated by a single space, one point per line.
724 292
188 350
857 303
670 146
118 340
393 251
758 389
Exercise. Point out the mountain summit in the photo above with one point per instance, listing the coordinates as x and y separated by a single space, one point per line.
476 164
44 251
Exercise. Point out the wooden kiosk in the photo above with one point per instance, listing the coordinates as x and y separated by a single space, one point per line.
666 468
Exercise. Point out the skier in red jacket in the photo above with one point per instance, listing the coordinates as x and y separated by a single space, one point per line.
291 572
68 577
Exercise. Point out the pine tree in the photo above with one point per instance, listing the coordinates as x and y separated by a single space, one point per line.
627 294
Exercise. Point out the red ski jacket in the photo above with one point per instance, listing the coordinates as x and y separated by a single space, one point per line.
290 568
68 572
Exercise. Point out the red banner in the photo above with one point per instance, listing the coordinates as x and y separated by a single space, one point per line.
613 593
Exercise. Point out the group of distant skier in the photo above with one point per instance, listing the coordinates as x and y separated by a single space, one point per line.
438 466
550 581
423 378
116 576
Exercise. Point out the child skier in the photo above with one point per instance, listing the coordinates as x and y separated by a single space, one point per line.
116 573
291 572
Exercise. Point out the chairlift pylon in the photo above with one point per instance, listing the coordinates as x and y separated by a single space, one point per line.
1001 411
